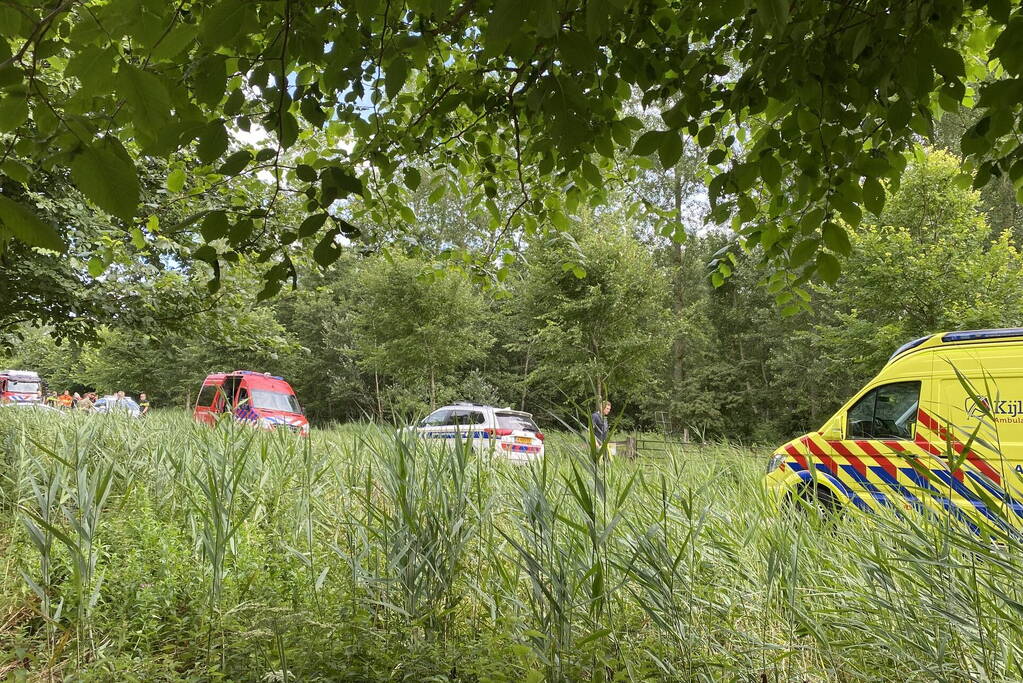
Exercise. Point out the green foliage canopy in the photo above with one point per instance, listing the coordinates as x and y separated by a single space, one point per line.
803 109
593 317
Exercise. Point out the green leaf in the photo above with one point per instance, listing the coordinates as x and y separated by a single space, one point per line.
236 163
312 112
209 81
396 75
180 37
835 238
138 240
93 66
412 178
851 212
347 229
215 226
146 98
205 253
873 196
670 149
16 171
706 136
807 120
240 231
770 170
311 225
271 289
305 173
327 250
948 62
899 115
790 310
648 143
504 24
221 22
772 14
999 10
437 193
235 102
96 266
20 222
828 267
1006 47
13 112
107 178
592 174
213 141
803 252
287 133
176 180
341 179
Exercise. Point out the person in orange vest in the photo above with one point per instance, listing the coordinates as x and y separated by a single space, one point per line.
65 400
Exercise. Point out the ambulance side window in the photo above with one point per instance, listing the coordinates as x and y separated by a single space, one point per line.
243 397
886 412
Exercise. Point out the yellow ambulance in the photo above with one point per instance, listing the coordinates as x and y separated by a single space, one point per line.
940 428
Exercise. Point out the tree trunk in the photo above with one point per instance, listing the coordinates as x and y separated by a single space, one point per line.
380 407
525 375
678 303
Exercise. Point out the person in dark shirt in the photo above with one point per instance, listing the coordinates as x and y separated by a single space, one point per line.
143 404
599 419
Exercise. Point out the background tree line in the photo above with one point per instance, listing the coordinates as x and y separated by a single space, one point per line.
608 307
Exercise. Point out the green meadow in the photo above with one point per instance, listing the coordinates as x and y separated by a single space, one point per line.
161 550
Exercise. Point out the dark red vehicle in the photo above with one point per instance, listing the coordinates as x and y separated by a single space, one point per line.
258 398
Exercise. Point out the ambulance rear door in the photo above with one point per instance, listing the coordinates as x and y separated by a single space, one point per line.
984 404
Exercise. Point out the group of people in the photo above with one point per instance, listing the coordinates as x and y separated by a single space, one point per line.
87 402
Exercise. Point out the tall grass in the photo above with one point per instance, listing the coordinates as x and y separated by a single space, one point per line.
162 550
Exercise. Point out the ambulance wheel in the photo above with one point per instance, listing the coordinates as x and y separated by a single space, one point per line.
815 500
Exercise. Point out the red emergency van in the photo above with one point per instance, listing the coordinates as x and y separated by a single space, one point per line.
20 386
259 398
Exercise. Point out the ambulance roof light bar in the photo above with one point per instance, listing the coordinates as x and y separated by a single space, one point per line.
971 335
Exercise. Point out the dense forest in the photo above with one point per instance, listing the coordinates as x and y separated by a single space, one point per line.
723 218
609 308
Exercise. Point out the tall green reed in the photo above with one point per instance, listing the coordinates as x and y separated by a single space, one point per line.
420 516
91 473
221 501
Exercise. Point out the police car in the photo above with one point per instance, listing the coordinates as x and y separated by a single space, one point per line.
117 404
501 431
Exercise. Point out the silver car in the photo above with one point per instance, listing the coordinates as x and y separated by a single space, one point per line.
500 431
113 404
